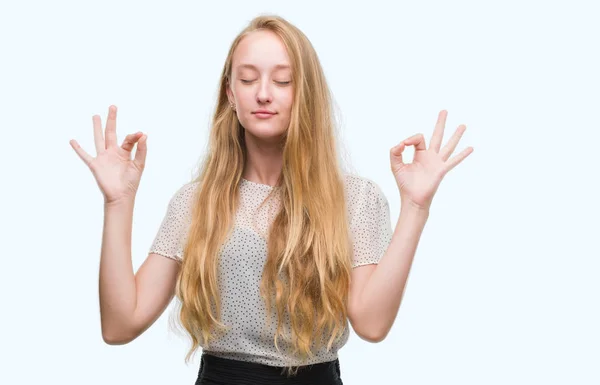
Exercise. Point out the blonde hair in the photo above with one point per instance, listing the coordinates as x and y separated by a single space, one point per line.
307 271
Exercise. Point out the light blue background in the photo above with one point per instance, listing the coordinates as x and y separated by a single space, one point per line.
504 287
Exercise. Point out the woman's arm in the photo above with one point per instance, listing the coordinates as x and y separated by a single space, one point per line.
378 299
130 303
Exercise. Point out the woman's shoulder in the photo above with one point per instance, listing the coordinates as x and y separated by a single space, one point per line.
360 185
182 198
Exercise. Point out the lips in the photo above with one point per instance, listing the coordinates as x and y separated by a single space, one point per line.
264 115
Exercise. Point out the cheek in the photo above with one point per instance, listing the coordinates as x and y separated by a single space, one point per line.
245 97
286 100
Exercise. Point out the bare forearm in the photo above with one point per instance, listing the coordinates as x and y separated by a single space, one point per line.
116 279
383 292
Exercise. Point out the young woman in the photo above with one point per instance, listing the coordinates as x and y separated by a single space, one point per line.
272 250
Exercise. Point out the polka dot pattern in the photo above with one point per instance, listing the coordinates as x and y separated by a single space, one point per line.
244 255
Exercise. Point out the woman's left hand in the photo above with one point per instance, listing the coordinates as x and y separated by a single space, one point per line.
418 181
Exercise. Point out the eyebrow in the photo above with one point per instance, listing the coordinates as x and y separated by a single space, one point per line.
251 66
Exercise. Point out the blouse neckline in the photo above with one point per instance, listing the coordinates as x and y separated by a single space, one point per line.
258 184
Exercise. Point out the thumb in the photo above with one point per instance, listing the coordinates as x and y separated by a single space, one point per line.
396 154
140 152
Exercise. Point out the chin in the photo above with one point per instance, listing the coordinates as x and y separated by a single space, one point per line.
266 132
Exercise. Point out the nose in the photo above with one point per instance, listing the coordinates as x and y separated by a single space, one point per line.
264 94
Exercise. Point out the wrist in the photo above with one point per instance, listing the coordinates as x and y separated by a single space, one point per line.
408 205
119 203
413 213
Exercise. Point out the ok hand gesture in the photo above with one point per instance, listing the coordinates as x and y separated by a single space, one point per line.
418 181
116 174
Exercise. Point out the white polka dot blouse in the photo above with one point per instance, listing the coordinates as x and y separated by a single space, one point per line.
242 259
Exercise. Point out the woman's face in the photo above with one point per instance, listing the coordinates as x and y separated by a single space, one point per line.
261 79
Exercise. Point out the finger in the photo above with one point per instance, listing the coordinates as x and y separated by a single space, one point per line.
130 141
87 158
98 136
140 152
417 140
456 159
110 135
438 131
451 145
396 153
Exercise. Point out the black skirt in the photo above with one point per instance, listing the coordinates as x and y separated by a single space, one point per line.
222 371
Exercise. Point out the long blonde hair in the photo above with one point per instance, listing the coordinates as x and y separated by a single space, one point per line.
307 271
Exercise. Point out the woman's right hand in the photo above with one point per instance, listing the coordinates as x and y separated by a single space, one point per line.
116 174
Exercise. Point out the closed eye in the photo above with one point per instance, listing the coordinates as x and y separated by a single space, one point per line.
250 81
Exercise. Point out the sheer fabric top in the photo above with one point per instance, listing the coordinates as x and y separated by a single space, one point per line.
242 260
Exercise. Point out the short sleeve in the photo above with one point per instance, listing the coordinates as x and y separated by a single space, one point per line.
172 233
370 226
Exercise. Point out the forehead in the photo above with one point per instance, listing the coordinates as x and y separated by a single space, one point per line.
262 50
